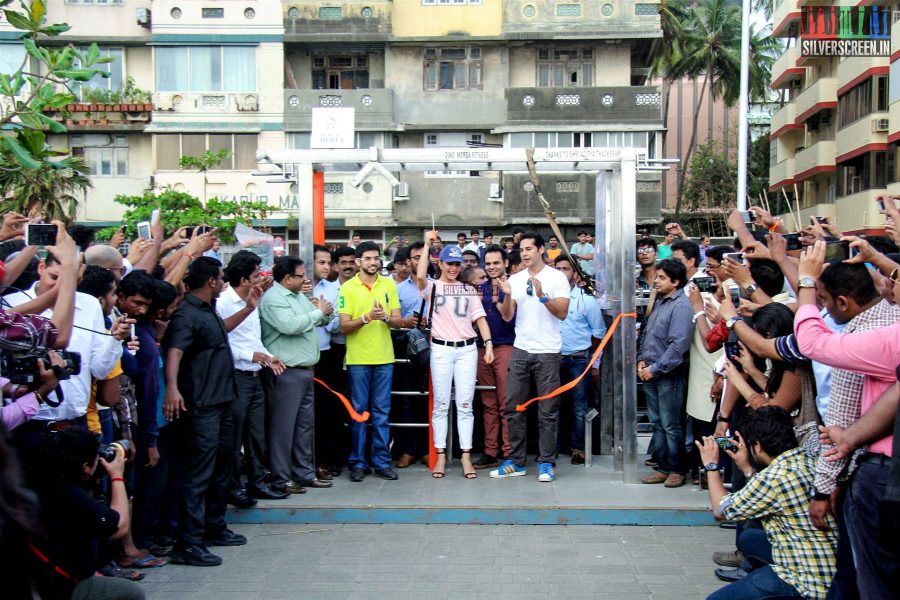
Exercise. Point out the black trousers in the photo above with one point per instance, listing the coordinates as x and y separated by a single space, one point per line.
207 449
249 414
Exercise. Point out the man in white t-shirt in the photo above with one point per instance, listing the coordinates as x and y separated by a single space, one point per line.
538 298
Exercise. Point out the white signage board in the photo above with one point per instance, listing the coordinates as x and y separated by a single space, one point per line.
332 128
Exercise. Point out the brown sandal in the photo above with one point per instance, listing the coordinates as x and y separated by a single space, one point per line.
469 474
439 474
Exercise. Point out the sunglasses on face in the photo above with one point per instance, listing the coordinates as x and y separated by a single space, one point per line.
645 250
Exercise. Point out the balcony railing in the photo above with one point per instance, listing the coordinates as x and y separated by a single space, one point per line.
586 104
374 107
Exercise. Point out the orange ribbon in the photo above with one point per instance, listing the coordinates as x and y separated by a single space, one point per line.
573 383
359 418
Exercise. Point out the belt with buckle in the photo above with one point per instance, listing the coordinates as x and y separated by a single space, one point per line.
467 342
54 426
579 353
248 373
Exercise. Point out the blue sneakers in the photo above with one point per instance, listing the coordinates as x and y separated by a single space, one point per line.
545 472
508 469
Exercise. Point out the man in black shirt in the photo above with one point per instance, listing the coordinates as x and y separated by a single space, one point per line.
200 389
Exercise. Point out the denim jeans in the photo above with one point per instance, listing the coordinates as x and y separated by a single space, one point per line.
874 525
759 584
370 389
755 546
571 367
665 405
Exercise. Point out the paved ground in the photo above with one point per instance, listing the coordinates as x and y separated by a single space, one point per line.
490 562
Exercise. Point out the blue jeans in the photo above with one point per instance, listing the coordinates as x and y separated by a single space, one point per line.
106 425
755 546
370 389
665 396
571 367
759 584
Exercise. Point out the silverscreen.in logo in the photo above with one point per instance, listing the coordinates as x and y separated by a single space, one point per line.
845 31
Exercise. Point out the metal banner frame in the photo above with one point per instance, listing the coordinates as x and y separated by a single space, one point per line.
616 194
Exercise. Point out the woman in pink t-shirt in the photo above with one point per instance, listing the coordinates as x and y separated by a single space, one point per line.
454 356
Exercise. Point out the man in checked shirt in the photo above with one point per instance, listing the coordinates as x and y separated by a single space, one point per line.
850 296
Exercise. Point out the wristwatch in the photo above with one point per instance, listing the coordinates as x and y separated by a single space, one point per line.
712 467
817 495
750 289
387 318
364 319
807 282
729 324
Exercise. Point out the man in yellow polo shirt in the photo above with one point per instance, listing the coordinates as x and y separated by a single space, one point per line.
369 307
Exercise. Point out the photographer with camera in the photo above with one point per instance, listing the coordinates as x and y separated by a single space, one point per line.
25 401
793 559
89 344
76 526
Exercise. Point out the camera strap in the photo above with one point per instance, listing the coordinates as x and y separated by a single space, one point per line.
56 568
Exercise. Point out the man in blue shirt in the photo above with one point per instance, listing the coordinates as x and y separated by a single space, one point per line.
661 366
583 323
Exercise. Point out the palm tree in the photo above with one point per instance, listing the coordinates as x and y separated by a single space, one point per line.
48 190
667 59
712 46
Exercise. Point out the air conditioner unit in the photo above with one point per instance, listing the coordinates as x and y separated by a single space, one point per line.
143 17
880 125
401 191
247 102
164 102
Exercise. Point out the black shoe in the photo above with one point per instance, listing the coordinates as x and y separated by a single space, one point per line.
727 525
225 537
386 473
289 488
265 492
240 499
367 471
194 556
315 483
731 575
357 475
486 462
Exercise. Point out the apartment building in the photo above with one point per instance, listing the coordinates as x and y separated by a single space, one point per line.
246 74
835 141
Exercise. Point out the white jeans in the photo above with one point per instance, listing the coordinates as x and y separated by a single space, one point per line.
457 367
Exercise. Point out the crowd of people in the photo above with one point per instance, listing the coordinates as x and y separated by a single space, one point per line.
769 368
146 393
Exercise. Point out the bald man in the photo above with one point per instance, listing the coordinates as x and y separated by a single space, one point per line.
106 257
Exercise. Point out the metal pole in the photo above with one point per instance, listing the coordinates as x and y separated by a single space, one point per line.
744 108
625 335
304 174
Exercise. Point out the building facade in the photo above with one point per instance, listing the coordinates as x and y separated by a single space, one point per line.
244 75
835 141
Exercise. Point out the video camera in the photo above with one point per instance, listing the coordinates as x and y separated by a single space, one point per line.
21 367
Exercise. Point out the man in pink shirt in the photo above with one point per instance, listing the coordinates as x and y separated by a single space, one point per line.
874 522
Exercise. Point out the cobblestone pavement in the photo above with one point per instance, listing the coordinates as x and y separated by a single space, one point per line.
490 562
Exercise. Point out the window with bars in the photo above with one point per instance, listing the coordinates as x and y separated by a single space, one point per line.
171 147
565 67
340 72
453 68
640 140
105 155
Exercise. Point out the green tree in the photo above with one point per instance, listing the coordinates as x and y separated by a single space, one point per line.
42 81
178 209
712 46
712 178
758 168
49 190
203 163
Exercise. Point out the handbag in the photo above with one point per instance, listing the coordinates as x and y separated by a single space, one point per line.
418 345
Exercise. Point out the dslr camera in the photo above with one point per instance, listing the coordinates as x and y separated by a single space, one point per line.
21 367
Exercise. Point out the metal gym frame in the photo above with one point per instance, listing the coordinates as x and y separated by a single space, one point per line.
615 199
